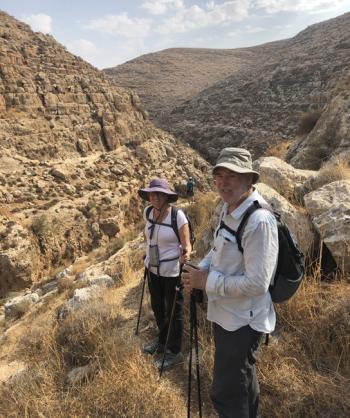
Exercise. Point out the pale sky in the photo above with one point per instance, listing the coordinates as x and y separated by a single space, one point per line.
109 32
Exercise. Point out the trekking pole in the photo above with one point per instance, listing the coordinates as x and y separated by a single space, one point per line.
140 308
177 289
196 347
190 363
194 335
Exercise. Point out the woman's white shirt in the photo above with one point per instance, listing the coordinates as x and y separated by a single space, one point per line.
167 241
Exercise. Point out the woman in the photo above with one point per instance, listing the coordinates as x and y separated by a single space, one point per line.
165 254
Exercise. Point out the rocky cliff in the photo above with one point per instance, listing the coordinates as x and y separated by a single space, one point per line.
74 150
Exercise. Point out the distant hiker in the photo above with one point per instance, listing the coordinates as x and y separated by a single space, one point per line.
237 285
168 246
190 188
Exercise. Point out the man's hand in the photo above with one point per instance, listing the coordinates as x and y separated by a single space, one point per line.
193 278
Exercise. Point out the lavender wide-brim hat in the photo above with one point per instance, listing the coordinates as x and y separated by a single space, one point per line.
158 185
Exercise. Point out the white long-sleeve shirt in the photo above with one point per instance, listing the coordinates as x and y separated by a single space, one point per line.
237 284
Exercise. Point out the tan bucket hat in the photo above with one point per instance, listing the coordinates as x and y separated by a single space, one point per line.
238 160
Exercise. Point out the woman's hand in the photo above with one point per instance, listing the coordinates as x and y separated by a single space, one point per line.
185 256
193 278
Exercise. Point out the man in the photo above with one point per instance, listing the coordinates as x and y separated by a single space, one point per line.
190 188
236 284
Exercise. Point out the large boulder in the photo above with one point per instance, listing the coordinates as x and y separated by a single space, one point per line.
297 220
281 176
329 207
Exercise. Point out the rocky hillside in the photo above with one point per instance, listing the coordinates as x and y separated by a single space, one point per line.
262 107
257 95
74 150
166 79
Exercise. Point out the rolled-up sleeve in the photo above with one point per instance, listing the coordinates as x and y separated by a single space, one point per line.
260 258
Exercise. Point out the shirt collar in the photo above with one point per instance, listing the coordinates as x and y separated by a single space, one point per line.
239 211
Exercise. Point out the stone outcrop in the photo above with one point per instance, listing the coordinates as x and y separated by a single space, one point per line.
297 220
19 305
329 207
281 176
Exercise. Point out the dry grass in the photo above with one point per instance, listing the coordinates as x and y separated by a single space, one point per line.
334 171
304 372
201 214
279 150
123 382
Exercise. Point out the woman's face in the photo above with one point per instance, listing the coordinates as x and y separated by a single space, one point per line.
158 199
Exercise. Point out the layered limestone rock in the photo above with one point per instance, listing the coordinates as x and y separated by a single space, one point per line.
54 104
17 256
297 219
329 207
281 176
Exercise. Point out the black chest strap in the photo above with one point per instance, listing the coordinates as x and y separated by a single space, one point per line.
239 232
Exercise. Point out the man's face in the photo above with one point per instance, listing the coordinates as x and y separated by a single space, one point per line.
231 186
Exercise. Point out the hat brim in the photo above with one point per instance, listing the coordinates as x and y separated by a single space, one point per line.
238 169
144 193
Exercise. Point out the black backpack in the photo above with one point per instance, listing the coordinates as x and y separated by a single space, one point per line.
173 224
290 266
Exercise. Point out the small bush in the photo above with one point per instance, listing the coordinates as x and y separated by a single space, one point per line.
278 150
40 225
307 121
333 171
80 337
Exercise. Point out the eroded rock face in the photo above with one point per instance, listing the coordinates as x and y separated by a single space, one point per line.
17 256
56 105
281 176
329 207
330 137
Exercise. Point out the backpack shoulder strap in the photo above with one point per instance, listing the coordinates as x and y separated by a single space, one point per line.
240 230
174 211
148 212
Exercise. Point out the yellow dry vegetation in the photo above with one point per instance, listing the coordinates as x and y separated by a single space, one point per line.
304 372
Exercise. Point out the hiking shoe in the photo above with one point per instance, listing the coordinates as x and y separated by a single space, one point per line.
154 347
170 360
